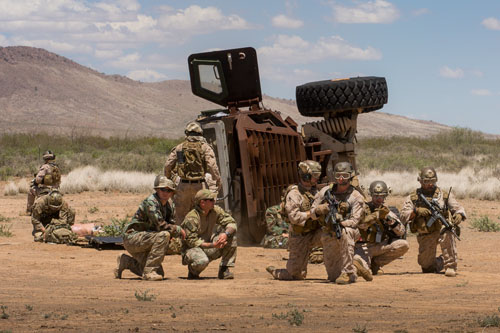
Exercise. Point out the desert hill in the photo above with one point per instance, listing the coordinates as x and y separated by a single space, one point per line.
42 91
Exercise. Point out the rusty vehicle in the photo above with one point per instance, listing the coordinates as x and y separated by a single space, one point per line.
257 150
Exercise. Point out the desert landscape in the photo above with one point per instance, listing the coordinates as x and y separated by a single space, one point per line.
47 287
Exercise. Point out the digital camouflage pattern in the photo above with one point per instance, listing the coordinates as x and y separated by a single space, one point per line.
56 222
200 229
276 229
429 238
150 214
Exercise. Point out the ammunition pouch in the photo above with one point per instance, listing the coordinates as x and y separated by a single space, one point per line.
309 226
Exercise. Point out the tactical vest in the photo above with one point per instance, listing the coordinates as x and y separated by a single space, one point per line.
53 176
377 232
419 224
307 200
191 161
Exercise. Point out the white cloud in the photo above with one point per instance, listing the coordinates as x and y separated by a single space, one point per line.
295 50
491 23
198 20
476 73
126 61
378 11
450 73
54 46
107 54
3 41
481 92
146 75
283 21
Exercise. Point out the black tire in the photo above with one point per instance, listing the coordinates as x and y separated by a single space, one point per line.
317 98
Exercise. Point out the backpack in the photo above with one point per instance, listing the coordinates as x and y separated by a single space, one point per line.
191 161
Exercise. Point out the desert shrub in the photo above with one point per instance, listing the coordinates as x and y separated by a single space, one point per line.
490 321
485 224
115 229
5 230
294 317
145 296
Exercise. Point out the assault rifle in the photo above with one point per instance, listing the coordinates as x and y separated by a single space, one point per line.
331 218
436 215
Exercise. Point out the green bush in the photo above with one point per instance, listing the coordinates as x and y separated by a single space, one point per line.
490 321
144 296
5 230
485 224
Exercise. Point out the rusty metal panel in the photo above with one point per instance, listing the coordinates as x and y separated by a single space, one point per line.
269 155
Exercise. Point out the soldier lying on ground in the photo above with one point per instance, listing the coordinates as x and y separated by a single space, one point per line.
210 234
381 232
52 219
148 235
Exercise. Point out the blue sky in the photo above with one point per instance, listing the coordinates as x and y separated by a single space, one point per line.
440 58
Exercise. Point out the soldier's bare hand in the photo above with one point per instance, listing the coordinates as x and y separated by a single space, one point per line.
183 234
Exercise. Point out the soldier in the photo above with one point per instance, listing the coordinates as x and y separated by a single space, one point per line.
47 177
52 219
417 214
148 235
276 229
192 159
338 254
381 231
305 231
210 234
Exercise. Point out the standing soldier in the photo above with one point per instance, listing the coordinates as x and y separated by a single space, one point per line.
338 253
305 231
381 231
47 177
210 234
148 234
52 219
191 159
416 213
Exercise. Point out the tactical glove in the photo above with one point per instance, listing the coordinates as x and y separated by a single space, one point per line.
457 219
343 208
322 209
423 212
383 212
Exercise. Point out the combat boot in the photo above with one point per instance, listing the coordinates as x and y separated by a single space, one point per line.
271 270
192 276
362 271
225 273
152 276
376 269
122 263
450 272
343 279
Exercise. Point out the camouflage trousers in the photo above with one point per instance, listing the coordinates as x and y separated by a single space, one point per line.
300 247
184 199
427 246
380 254
148 250
197 258
275 242
338 254
56 233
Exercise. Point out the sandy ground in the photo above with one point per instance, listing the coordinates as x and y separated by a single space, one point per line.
47 287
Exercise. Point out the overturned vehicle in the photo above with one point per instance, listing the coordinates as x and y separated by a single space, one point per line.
257 150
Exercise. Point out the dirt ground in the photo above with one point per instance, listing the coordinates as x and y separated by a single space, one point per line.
47 287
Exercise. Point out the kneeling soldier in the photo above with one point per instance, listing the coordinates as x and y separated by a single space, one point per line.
148 234
381 231
210 234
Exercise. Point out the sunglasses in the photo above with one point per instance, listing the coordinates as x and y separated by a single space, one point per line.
209 200
167 190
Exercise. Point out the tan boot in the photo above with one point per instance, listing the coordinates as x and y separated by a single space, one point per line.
152 276
343 279
225 273
450 272
362 271
122 264
271 270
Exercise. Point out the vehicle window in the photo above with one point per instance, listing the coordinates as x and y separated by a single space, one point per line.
210 78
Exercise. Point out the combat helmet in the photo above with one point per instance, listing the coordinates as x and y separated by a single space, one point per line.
204 194
48 155
379 187
162 181
309 169
193 128
55 199
343 170
427 174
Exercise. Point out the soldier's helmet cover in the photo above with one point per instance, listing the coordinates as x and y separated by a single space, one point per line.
48 155
204 194
55 199
193 127
309 169
344 167
163 182
427 174
379 187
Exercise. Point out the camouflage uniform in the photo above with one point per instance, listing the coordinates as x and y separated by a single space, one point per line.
429 238
276 229
381 237
201 229
338 254
48 177
147 238
56 219
201 161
